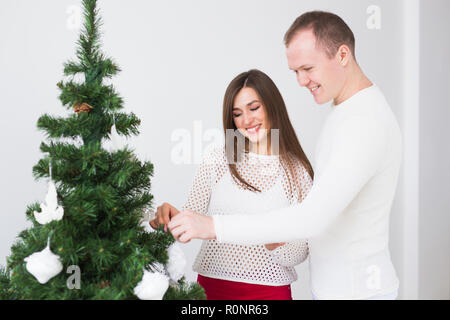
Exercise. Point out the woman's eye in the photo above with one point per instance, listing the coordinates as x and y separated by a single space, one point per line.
307 69
236 115
254 109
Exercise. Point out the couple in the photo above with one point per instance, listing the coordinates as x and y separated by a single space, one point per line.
256 207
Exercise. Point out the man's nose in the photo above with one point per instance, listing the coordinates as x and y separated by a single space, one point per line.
302 79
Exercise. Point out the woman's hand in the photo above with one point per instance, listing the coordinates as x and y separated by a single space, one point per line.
189 225
273 246
164 213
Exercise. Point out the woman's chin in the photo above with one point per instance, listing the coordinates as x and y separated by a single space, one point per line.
256 139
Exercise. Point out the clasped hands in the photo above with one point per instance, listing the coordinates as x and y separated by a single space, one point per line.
187 225
184 225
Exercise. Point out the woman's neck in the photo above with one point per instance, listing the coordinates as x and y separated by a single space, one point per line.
261 147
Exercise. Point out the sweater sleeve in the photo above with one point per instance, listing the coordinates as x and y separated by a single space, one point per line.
294 252
204 179
290 254
357 147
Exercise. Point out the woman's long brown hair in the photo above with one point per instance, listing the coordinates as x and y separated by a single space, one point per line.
277 116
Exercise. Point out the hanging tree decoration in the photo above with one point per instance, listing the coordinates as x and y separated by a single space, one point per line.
149 214
50 210
117 141
153 286
114 136
82 107
147 227
177 262
44 265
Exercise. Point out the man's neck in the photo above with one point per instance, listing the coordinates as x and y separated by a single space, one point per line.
356 82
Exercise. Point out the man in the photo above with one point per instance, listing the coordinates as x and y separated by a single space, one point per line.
358 155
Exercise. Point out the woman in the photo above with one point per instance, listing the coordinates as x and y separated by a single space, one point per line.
261 167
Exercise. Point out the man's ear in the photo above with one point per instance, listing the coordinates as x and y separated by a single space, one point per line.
343 55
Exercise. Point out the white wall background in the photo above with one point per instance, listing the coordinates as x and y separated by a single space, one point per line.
178 57
434 219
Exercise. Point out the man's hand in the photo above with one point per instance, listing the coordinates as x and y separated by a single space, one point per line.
189 225
273 246
164 214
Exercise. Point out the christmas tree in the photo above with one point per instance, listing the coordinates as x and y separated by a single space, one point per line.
88 239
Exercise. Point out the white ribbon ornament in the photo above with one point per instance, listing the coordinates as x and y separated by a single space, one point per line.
50 210
117 141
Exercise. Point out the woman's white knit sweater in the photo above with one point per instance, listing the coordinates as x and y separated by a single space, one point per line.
215 192
346 214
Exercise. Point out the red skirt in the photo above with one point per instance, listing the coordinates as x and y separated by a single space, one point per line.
218 289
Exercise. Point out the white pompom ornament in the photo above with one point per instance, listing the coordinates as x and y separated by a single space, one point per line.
177 262
50 210
43 265
153 286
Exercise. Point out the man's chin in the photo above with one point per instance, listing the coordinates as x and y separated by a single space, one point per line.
320 100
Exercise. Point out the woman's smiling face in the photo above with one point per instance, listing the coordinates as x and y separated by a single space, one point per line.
249 115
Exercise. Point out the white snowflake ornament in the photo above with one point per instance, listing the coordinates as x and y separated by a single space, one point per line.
153 286
116 139
50 210
44 265
177 262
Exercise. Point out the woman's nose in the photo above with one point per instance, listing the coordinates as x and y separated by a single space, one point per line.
248 119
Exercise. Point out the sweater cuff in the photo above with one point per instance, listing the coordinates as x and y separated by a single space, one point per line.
277 251
218 228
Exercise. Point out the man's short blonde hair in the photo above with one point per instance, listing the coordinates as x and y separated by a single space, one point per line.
329 29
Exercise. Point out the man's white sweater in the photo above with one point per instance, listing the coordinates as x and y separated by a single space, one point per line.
346 213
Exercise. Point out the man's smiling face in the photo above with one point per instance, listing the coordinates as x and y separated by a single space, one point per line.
323 76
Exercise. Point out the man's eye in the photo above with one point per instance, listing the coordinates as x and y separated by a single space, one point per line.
254 109
307 69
